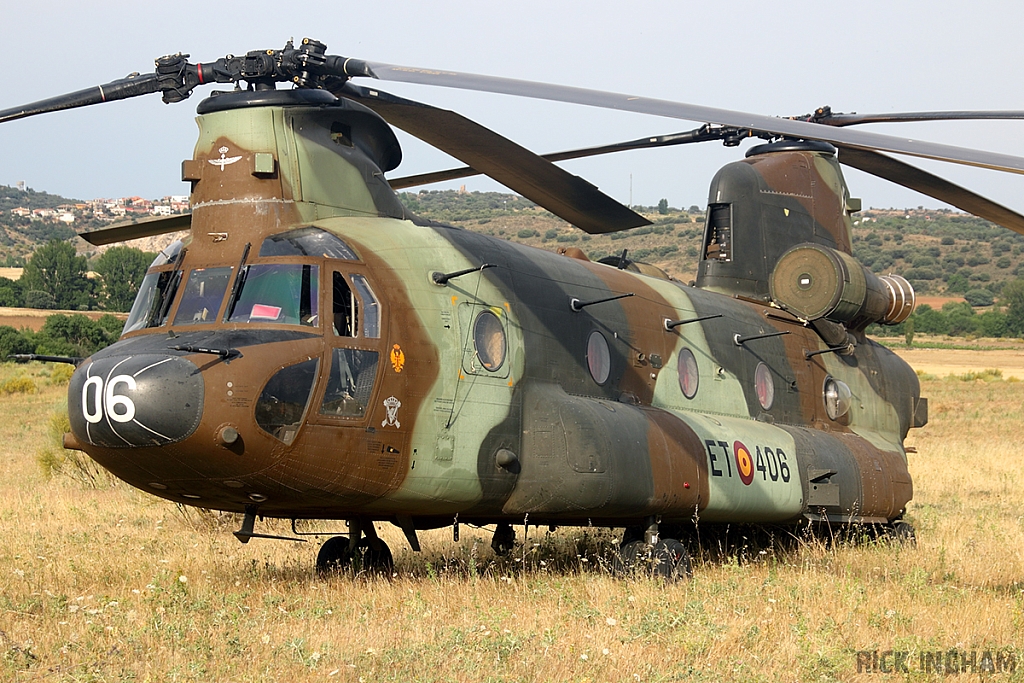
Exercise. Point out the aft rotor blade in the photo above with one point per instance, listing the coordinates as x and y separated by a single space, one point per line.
108 92
679 110
640 143
926 183
569 197
122 232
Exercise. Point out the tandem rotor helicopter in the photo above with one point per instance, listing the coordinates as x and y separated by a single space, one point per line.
315 351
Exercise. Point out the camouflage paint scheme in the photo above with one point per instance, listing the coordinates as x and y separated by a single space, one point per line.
571 450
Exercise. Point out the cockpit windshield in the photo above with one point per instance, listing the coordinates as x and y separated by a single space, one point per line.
204 292
282 293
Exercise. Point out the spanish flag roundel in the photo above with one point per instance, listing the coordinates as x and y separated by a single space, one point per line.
744 463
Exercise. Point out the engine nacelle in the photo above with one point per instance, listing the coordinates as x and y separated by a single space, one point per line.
814 281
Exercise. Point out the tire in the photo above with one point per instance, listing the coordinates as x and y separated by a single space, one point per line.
667 560
671 560
335 557
630 534
903 533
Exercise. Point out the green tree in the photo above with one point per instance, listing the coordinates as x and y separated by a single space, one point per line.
960 318
992 324
929 321
1012 296
12 341
76 335
58 272
11 293
979 297
663 207
121 270
957 284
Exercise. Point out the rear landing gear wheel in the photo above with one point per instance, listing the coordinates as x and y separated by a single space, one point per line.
335 557
667 559
903 533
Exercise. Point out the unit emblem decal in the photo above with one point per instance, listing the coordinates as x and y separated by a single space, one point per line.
222 162
391 404
397 358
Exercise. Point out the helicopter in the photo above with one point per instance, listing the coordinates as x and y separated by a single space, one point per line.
315 351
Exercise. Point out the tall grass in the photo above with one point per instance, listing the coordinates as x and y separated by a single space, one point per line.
111 584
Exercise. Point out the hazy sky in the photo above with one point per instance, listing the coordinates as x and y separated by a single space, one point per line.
773 58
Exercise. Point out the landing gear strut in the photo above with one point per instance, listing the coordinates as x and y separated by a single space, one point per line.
504 539
356 553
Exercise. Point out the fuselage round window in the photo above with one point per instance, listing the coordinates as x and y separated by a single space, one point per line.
489 338
764 385
838 398
598 357
688 377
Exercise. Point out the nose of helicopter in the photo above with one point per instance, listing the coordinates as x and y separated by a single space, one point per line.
146 399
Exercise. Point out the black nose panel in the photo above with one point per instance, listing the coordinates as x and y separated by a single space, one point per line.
140 400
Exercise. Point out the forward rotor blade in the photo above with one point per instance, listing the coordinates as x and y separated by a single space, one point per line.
641 143
115 90
907 117
924 182
567 196
122 232
692 112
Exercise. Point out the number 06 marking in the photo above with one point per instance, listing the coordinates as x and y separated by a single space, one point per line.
96 384
107 401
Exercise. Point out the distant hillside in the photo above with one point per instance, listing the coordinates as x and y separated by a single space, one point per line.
671 243
20 235
941 252
12 198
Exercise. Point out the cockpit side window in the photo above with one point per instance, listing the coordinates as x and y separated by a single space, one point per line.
344 308
371 309
153 300
350 384
156 293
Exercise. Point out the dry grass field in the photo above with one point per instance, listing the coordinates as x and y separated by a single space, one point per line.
1004 355
109 584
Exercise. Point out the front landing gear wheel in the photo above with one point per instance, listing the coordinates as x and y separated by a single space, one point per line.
667 560
335 557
